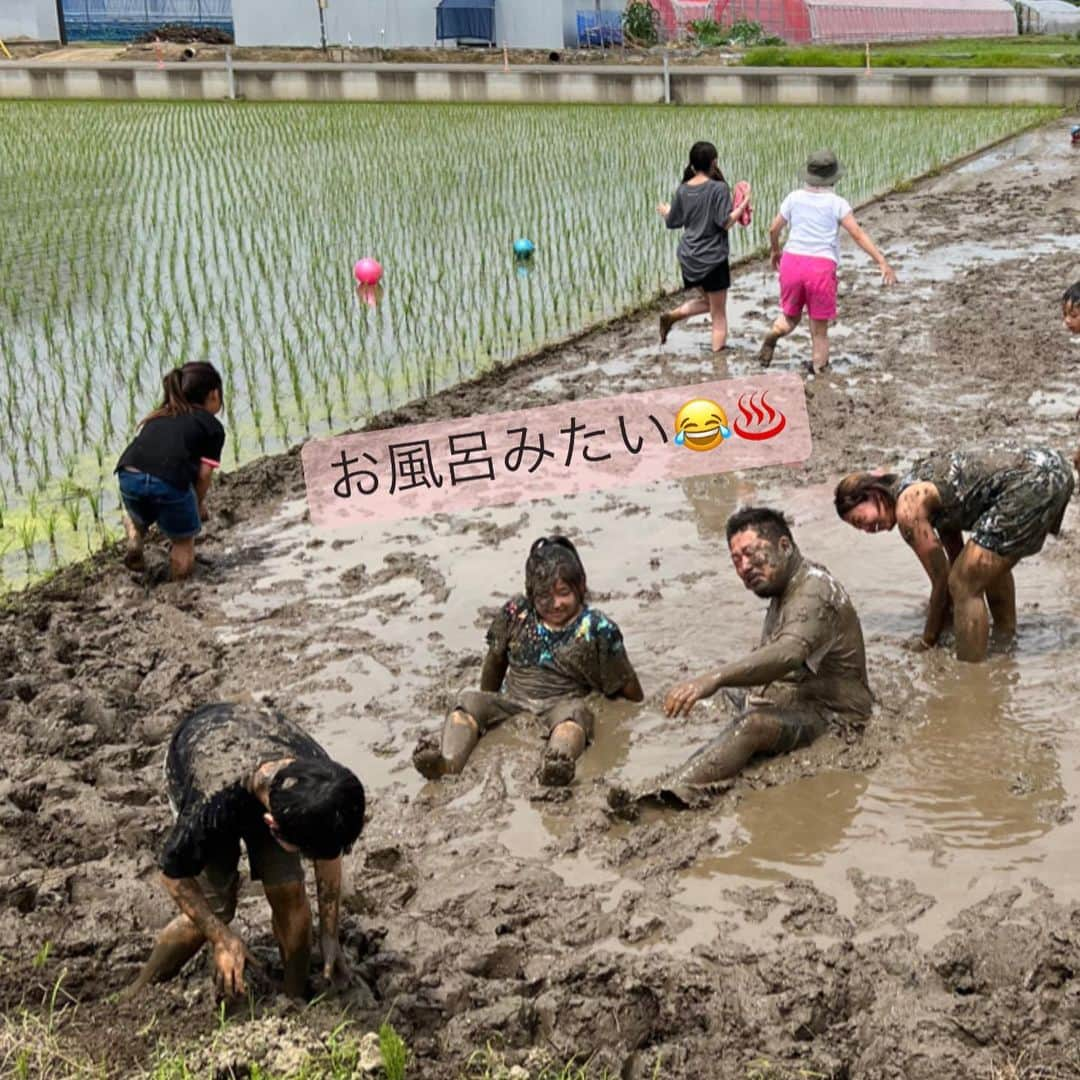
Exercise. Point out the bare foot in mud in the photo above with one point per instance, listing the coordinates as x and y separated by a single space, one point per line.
427 758
556 770
765 353
666 323
133 554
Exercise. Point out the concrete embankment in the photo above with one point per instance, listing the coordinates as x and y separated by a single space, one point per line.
629 84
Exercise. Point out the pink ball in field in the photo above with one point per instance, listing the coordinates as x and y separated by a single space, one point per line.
368 272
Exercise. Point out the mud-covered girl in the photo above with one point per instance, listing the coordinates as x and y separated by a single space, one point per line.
547 650
166 471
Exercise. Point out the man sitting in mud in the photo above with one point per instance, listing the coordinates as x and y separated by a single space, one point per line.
552 649
237 773
809 672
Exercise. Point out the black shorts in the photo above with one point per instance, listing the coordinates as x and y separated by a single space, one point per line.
718 279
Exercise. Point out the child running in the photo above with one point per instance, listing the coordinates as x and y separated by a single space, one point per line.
165 472
814 215
702 207
553 650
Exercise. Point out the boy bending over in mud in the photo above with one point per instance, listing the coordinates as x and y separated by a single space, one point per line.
552 649
237 773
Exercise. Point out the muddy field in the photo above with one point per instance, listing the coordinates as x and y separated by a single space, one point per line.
904 905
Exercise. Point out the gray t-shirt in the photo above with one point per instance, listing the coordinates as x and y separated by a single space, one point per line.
701 210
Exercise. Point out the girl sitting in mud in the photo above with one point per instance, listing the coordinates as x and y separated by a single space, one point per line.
165 473
1008 499
702 208
552 649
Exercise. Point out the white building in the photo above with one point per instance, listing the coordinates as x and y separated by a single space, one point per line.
33 19
390 24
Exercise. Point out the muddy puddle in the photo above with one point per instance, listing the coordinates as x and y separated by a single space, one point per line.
899 904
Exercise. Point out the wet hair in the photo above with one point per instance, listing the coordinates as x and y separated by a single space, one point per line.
318 806
1071 298
856 488
703 159
552 559
763 520
186 389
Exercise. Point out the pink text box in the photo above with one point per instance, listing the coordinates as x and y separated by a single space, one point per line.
555 450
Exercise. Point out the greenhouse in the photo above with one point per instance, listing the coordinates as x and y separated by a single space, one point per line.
853 20
1048 17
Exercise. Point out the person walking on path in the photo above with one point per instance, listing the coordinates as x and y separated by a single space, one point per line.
813 216
702 208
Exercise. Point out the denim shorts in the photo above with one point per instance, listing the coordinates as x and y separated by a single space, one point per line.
149 500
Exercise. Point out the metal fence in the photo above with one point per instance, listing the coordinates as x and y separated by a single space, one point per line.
122 20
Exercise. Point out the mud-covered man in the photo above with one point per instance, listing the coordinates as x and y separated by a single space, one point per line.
241 773
808 672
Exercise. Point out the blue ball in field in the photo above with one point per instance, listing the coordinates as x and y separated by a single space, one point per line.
523 248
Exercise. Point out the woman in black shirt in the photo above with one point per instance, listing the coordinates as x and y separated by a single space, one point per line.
166 471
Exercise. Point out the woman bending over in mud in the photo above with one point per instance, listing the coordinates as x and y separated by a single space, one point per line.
552 649
1008 499
166 471
813 216
702 208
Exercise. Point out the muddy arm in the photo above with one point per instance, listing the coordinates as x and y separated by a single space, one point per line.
495 665
328 888
229 952
202 486
632 690
923 540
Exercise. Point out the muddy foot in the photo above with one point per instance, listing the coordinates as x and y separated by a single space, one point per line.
556 770
765 353
133 556
622 804
666 323
427 758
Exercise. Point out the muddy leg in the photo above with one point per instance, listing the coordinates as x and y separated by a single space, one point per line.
709 769
1001 597
971 576
565 746
819 344
718 310
175 946
460 734
133 556
683 311
292 930
182 558
781 328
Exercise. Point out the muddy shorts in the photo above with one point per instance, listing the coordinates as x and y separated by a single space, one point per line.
718 279
489 710
1029 506
807 281
800 724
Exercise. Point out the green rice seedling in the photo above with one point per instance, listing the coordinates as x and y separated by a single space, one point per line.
395 1054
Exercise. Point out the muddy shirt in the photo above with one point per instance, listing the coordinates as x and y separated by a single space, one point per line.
1009 499
815 609
211 757
701 210
588 654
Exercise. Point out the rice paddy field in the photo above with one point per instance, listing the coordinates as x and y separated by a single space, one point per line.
138 236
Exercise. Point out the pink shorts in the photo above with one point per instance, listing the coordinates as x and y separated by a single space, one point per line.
807 281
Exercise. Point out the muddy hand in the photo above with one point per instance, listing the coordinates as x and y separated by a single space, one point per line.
230 955
888 274
681 698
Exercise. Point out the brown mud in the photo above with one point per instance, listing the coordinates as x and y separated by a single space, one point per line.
901 905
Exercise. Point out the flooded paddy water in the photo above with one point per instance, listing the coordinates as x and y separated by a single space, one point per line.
903 904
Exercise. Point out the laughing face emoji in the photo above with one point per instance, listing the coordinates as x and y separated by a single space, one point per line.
701 425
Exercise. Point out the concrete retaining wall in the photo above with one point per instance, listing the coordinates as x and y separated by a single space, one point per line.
549 83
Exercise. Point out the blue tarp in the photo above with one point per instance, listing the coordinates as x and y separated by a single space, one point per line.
472 19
